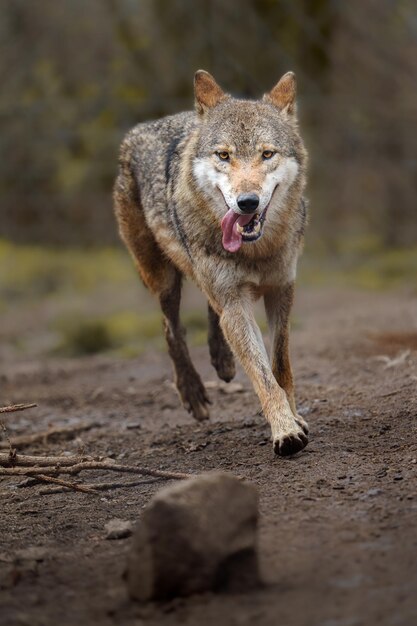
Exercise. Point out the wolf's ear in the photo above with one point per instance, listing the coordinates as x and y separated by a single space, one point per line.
207 92
283 94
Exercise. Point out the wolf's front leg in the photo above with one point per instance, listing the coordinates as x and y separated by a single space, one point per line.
242 332
278 304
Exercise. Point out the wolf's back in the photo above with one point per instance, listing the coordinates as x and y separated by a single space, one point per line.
149 150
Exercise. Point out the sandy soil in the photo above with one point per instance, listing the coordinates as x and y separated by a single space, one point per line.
338 539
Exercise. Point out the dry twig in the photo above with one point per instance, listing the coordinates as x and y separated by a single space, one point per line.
95 486
26 460
65 483
16 407
9 443
400 359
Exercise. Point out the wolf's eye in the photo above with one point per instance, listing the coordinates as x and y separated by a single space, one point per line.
267 154
223 155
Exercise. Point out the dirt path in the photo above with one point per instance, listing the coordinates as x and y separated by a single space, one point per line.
338 539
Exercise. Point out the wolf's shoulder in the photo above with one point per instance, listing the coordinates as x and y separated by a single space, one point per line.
161 132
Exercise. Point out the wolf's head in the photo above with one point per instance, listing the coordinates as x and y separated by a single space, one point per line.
248 155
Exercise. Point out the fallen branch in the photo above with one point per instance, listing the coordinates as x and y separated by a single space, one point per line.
26 460
21 465
95 486
16 407
20 441
89 465
66 484
390 393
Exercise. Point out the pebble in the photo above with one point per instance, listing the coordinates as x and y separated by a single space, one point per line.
118 529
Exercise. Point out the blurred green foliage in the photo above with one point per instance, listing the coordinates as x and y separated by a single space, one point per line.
83 337
91 301
363 263
30 271
125 332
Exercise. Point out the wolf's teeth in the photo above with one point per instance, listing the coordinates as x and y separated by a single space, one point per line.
253 228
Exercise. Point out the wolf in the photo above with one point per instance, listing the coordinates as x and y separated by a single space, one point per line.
216 195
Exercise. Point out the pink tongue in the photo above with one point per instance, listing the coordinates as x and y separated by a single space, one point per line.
232 239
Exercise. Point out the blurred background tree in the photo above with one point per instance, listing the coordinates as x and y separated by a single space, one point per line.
76 75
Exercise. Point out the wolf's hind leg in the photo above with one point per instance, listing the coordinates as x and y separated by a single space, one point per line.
188 382
162 279
220 353
153 267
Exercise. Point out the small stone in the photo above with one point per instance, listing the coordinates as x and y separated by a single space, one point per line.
118 529
97 393
223 387
371 493
211 384
229 388
196 535
196 447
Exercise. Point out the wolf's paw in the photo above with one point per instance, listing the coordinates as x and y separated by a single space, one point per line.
226 369
290 443
302 423
194 398
224 364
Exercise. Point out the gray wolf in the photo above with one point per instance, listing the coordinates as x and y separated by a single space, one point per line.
216 195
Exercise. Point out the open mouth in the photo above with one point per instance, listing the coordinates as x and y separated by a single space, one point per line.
253 229
238 229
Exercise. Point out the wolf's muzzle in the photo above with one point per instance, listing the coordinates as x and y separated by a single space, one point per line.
248 202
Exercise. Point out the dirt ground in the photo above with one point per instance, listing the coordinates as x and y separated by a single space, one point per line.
338 538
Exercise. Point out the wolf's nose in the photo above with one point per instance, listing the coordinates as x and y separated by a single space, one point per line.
248 202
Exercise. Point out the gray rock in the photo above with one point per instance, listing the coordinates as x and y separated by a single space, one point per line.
196 535
118 529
